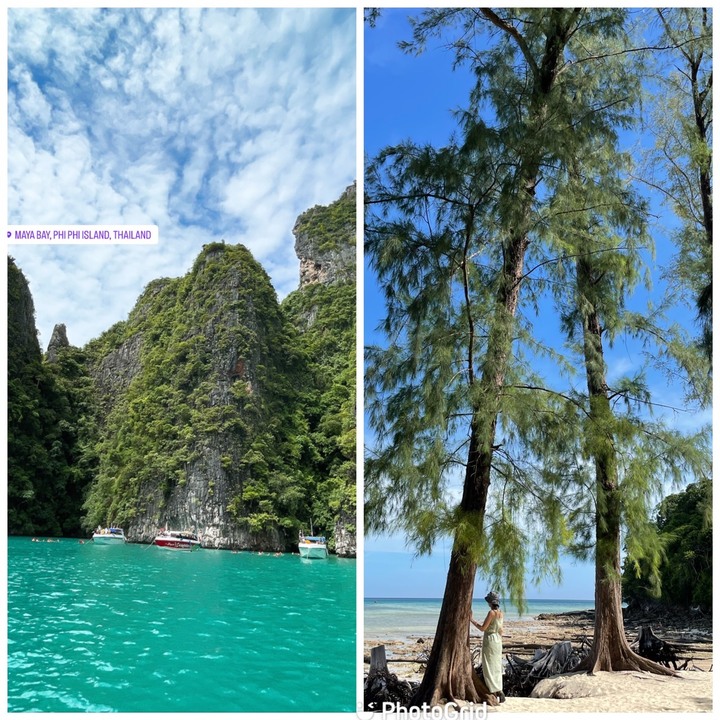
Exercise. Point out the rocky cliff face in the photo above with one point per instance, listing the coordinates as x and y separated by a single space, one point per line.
212 416
22 333
211 408
115 371
346 535
323 308
325 241
58 342
187 387
45 479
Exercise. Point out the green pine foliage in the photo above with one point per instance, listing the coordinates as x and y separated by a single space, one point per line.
632 455
458 237
535 169
680 163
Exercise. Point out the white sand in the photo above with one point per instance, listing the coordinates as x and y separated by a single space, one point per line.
625 692
618 692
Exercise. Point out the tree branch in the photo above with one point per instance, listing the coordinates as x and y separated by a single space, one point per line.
514 34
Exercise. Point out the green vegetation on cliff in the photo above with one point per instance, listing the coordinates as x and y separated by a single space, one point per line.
212 407
328 342
49 459
331 226
223 391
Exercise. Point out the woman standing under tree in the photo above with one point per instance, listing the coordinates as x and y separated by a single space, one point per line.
492 645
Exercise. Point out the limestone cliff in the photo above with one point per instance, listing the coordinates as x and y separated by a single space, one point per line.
47 467
212 407
22 334
221 413
58 342
324 308
325 241
187 384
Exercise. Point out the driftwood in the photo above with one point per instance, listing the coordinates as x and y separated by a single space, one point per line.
385 687
687 631
521 676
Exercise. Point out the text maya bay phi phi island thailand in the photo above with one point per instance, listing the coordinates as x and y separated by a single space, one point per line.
359 360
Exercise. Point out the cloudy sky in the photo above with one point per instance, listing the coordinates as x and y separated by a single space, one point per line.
212 124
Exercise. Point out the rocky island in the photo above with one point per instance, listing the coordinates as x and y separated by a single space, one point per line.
212 407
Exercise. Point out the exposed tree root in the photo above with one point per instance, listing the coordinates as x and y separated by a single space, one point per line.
458 682
622 658
454 689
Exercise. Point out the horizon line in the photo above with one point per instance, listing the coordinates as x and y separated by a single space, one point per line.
592 600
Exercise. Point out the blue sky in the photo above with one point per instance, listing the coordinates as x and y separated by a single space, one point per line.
412 97
212 124
391 570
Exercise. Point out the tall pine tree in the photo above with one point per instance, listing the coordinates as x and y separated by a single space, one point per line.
680 120
629 455
449 233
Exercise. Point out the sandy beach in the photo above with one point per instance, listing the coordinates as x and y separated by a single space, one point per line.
634 692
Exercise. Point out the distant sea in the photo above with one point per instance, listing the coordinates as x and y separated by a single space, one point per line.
137 628
398 618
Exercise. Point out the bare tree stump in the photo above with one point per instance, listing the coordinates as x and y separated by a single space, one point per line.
378 660
652 647
382 687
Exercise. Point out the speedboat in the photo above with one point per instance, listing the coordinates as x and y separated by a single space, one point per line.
178 540
109 536
312 547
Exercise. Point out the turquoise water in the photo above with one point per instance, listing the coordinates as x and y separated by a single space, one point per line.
397 618
139 629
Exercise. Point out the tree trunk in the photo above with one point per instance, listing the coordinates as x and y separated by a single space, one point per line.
449 673
610 650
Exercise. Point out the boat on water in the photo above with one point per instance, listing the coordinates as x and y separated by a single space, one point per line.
312 547
109 536
178 540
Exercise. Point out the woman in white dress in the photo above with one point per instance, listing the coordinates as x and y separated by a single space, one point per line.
492 645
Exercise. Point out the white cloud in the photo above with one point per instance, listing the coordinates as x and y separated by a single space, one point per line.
211 124
30 100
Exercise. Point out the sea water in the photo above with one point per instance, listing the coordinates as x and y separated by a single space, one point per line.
400 618
135 628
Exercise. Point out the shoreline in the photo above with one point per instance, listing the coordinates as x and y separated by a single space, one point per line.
640 692
252 551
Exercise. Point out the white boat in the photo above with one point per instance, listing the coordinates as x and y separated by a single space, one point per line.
312 547
178 540
109 536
